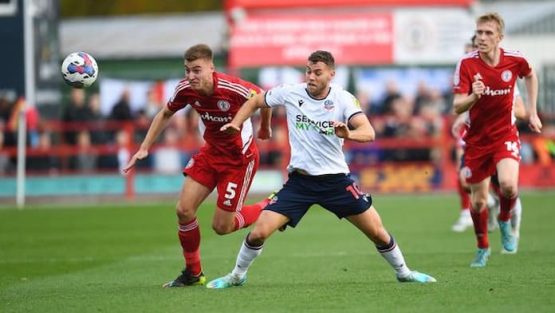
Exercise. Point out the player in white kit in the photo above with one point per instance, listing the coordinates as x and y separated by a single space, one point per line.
320 116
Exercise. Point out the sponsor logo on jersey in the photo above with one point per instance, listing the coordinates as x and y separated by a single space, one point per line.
302 122
211 118
356 102
190 163
301 102
223 105
497 92
227 202
197 103
506 76
328 105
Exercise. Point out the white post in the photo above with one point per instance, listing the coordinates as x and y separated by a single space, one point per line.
29 48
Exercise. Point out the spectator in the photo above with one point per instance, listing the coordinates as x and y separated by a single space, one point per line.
42 158
122 109
392 93
85 159
168 158
5 163
122 142
75 114
98 136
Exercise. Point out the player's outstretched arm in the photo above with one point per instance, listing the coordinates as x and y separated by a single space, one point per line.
159 122
532 91
362 130
265 131
246 111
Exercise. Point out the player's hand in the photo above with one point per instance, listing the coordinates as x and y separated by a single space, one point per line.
230 129
478 86
264 133
457 126
139 155
456 130
341 130
534 123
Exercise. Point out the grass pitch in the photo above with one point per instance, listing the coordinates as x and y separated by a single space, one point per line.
115 259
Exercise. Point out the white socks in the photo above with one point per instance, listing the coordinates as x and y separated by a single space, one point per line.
246 256
393 255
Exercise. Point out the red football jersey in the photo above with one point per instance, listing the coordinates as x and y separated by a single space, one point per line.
218 109
491 119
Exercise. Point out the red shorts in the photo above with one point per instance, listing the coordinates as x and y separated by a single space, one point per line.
481 163
232 176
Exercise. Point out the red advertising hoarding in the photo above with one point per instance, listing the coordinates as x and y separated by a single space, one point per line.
276 39
264 4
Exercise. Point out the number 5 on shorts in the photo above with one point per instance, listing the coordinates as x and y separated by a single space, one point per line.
230 190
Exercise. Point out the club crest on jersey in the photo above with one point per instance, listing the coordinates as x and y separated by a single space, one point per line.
466 172
223 105
506 76
328 105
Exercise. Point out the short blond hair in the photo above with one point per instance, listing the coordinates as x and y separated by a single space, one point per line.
492 17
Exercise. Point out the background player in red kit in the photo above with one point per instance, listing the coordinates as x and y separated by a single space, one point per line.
484 85
225 162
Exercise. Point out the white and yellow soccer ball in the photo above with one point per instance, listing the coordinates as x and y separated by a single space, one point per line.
79 70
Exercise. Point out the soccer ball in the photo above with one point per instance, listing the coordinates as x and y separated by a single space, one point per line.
79 70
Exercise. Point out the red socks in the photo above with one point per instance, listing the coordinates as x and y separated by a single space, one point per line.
189 237
249 213
464 196
480 220
506 205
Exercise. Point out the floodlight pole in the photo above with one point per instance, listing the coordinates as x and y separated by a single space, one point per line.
29 48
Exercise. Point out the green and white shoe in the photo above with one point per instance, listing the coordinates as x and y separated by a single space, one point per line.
481 258
508 239
227 281
416 277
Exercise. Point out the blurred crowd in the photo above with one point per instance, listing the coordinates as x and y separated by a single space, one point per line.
409 128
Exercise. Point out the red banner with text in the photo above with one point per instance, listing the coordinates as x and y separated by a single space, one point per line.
265 4
275 39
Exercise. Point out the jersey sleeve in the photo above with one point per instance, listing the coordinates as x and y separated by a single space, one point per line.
352 105
524 68
276 96
461 79
253 90
179 98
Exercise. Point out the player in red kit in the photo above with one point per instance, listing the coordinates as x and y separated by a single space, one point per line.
484 83
225 162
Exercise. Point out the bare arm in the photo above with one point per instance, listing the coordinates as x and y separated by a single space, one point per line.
159 122
362 130
246 111
265 131
457 124
462 102
519 109
532 91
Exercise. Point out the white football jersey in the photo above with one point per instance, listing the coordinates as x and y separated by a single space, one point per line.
315 148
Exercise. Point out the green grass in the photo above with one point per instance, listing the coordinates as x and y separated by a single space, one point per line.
115 258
